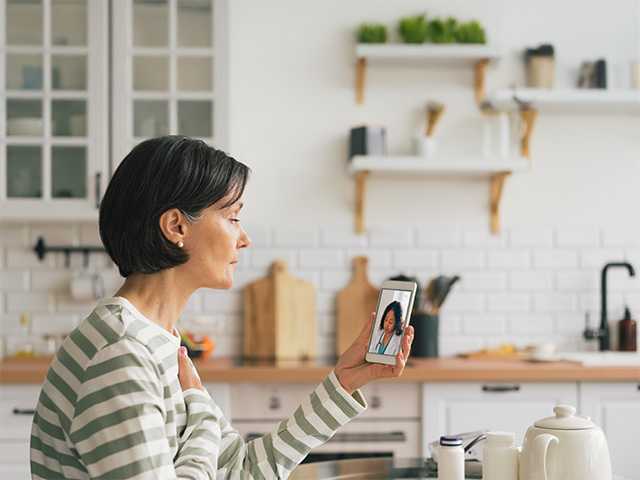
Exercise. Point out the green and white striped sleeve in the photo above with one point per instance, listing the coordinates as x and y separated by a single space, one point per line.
275 455
119 424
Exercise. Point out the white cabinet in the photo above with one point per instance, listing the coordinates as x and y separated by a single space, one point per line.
53 113
449 408
16 414
616 408
220 393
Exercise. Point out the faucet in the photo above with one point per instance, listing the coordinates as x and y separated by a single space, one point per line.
602 334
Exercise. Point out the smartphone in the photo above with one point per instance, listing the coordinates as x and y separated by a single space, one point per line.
392 316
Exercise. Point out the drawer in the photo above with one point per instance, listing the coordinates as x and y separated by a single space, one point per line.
277 401
16 405
14 453
399 437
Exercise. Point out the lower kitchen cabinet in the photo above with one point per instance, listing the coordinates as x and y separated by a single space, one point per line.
17 403
220 394
616 408
450 408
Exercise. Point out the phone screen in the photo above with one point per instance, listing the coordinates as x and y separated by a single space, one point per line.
391 318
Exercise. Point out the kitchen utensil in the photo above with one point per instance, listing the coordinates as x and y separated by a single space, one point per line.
355 304
500 457
279 317
435 111
442 287
565 447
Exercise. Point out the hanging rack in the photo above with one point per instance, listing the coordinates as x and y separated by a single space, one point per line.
41 249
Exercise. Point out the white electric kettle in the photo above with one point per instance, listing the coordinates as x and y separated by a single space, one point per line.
564 447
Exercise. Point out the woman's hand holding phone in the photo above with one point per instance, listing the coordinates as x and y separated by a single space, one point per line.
353 371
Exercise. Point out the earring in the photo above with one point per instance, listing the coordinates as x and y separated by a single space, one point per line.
180 244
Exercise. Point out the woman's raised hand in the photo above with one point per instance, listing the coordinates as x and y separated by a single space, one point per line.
353 371
187 373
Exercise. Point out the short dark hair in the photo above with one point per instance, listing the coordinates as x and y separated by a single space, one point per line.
157 175
397 313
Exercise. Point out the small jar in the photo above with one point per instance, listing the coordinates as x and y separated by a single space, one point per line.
450 459
500 457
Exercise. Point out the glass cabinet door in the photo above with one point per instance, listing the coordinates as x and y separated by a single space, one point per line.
51 142
167 79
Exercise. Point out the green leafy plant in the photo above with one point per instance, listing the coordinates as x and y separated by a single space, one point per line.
372 33
413 29
470 32
443 31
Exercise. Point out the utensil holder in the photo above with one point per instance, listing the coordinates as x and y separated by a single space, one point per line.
425 340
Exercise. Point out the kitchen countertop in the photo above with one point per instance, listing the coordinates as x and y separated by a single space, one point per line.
232 370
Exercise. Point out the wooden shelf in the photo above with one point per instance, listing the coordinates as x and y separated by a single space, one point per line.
477 56
496 170
566 99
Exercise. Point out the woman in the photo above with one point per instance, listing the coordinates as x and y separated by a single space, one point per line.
390 331
121 398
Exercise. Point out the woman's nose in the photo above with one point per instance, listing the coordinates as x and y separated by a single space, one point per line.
244 241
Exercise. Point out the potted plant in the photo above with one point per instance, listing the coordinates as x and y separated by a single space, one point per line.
413 29
470 32
442 31
372 33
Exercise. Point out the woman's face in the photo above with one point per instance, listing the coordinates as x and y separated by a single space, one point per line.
389 321
213 243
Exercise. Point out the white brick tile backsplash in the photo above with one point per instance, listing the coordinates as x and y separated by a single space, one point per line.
414 258
531 237
43 323
452 260
14 280
14 235
530 280
264 257
260 236
527 285
530 323
321 258
593 258
578 237
459 302
508 302
56 281
483 238
436 237
509 259
392 237
378 258
222 301
483 281
55 234
453 345
577 280
291 237
555 258
29 302
340 237
483 324
334 280
554 302
21 257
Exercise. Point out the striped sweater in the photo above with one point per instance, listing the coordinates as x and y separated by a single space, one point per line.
112 407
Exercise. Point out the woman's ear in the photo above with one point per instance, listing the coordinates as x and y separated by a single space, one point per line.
173 225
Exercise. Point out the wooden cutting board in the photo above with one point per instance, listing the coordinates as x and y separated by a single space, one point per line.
279 317
355 303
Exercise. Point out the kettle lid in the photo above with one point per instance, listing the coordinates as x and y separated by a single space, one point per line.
565 419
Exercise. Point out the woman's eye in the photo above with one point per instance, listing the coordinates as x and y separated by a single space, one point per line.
235 220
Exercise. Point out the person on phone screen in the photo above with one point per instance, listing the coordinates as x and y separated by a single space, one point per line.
390 330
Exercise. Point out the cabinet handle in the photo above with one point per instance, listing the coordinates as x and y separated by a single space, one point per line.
98 189
376 402
23 411
500 388
274 403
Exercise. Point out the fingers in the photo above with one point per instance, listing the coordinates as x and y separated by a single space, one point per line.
366 329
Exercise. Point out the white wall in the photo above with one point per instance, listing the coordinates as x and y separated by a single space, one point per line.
292 104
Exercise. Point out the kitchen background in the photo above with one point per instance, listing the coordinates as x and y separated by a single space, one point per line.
289 102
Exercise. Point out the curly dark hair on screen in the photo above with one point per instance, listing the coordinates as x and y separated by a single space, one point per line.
397 313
